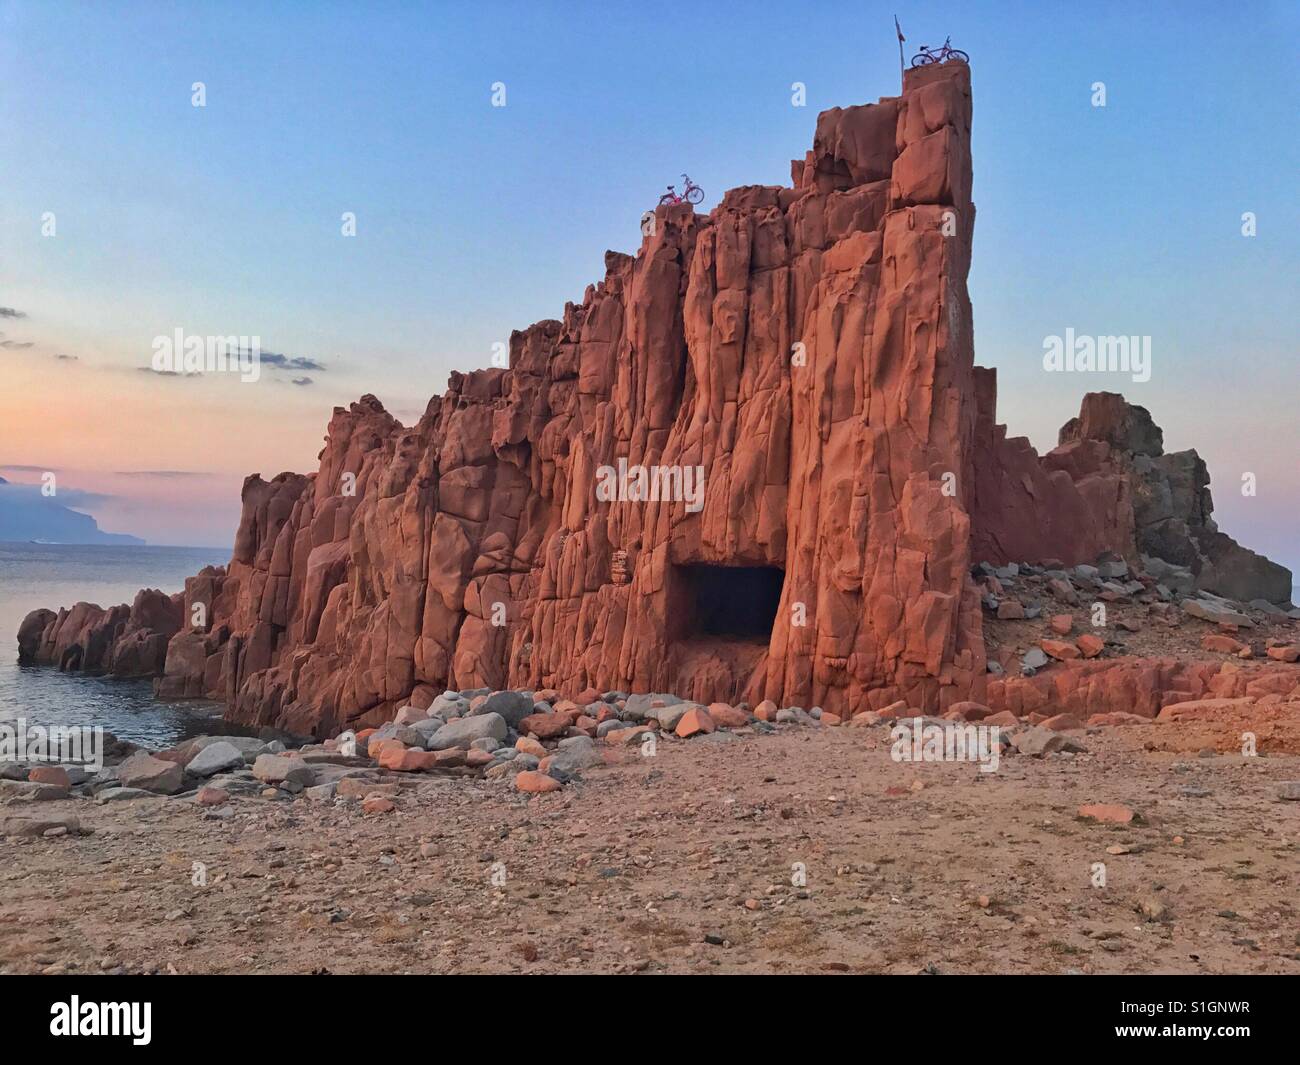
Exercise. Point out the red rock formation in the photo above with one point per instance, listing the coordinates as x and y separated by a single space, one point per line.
808 348
1140 686
808 351
1070 505
1108 486
1171 501
125 641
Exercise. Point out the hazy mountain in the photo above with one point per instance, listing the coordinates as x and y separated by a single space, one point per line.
25 515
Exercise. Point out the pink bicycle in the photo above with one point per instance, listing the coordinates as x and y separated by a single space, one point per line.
938 55
692 195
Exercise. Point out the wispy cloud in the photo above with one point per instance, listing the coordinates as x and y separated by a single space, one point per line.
285 362
9 312
273 360
162 473
166 373
68 497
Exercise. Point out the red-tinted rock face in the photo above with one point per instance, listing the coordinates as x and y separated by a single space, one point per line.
1140 686
125 641
795 366
1070 505
755 462
1171 502
1108 486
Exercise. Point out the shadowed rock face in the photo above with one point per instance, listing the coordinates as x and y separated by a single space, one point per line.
794 374
123 641
1070 505
1108 486
1171 501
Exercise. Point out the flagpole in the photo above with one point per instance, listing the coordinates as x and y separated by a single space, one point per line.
899 30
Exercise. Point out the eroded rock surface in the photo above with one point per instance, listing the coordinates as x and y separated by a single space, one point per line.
799 367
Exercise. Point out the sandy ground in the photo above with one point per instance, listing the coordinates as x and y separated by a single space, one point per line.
688 862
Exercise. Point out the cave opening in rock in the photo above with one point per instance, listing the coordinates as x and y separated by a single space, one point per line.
731 601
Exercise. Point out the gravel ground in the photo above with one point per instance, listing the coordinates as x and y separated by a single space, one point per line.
808 850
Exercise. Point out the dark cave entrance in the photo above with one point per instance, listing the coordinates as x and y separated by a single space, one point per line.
730 601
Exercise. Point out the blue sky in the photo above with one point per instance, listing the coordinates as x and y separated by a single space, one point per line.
474 220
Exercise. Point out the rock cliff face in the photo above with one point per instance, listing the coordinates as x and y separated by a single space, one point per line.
1171 501
122 641
1070 505
1108 486
756 461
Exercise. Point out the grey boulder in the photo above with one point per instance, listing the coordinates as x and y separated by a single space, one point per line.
216 758
1209 610
638 707
464 732
122 794
1036 742
280 769
512 707
668 716
576 755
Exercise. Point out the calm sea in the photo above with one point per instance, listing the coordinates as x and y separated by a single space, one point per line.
58 575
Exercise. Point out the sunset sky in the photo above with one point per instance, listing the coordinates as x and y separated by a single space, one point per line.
474 220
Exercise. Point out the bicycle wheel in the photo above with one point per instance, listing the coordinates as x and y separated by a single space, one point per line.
922 60
958 54
695 195
667 200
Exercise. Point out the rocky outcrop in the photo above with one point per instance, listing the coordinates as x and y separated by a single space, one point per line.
756 462
1136 686
1070 505
1171 501
123 641
1107 487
